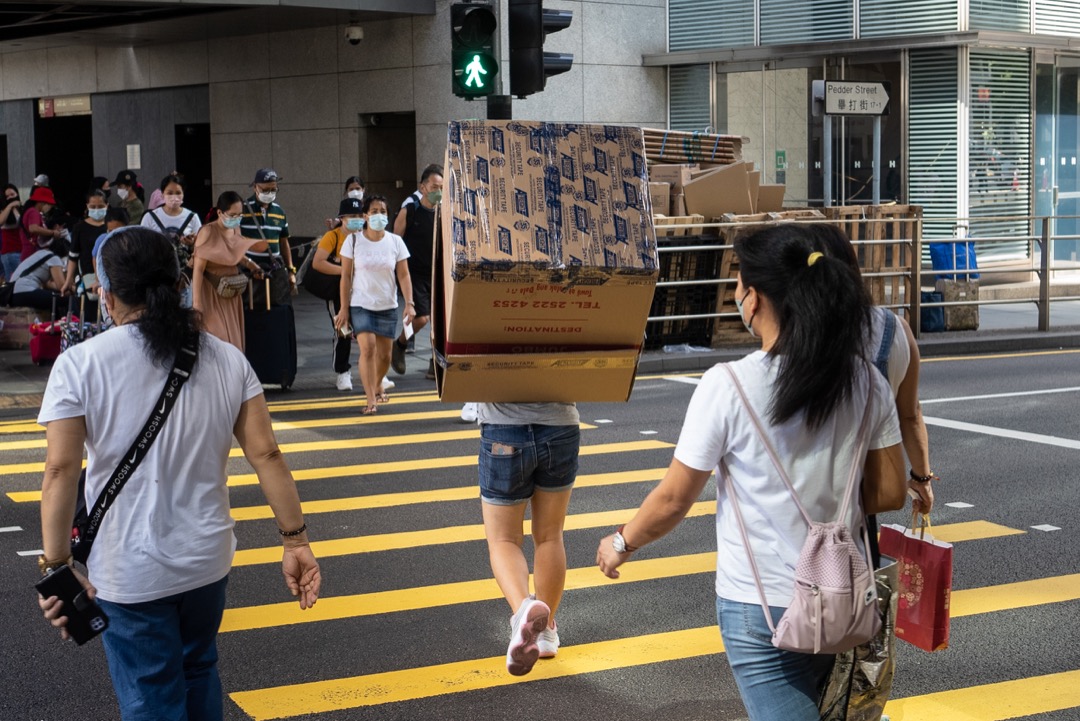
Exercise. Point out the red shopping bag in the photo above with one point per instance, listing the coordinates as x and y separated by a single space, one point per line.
925 584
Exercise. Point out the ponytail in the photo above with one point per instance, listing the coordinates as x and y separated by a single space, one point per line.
823 313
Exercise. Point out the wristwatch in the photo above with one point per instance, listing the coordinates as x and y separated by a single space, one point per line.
618 542
46 566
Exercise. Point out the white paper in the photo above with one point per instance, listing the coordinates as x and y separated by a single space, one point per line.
408 331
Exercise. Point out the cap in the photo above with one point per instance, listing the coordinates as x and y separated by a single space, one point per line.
266 175
42 180
42 195
350 206
125 177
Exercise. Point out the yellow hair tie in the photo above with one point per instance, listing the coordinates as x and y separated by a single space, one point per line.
813 258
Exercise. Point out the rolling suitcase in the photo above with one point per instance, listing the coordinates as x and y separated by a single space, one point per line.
270 342
45 340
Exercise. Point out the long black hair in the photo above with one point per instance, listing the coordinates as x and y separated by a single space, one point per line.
823 311
142 271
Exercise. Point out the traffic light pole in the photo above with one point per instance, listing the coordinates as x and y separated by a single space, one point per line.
500 107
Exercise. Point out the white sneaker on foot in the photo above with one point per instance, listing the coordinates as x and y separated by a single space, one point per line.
548 642
468 413
387 384
344 381
525 625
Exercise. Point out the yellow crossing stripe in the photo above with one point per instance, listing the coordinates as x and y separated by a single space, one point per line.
992 701
414 683
396 399
447 594
368 469
1039 592
439 536
438 495
973 531
382 417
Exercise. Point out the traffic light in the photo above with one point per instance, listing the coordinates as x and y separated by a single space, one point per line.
530 66
473 30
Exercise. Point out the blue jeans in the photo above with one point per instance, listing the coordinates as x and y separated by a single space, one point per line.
10 262
163 655
775 685
515 461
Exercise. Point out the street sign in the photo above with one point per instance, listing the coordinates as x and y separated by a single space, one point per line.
856 98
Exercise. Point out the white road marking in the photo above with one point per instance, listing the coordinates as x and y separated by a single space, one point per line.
603 420
990 396
35 552
10 529
649 433
1046 527
683 379
959 504
1004 433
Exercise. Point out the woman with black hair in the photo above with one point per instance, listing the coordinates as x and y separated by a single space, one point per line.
161 559
813 392
10 237
80 276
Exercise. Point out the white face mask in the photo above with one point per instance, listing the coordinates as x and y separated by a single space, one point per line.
122 193
358 194
747 323
267 198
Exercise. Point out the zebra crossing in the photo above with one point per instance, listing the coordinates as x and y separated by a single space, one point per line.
411 624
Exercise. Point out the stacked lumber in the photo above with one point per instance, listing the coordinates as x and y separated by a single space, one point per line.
680 146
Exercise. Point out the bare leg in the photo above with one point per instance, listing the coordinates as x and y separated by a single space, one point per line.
382 359
503 529
368 367
548 515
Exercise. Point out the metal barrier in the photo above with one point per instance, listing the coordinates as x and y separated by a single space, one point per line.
911 273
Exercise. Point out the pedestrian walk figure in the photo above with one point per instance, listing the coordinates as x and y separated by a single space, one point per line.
475 69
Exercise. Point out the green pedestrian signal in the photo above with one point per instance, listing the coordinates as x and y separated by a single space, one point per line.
473 65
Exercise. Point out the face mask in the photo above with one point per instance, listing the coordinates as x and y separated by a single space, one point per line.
231 222
378 221
97 213
358 194
174 201
354 224
267 198
122 193
434 197
738 305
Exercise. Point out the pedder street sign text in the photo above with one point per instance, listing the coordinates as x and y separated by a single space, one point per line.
856 98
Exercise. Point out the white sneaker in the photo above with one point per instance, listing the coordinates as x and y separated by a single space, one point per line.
344 381
468 413
387 384
525 626
548 642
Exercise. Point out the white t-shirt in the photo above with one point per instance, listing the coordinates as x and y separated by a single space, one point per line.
818 463
26 282
525 414
169 529
172 222
899 354
374 285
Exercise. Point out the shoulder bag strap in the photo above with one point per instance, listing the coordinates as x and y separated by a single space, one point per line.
153 216
187 221
181 371
255 218
37 264
887 334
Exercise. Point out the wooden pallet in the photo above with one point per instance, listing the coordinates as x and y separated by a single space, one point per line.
684 224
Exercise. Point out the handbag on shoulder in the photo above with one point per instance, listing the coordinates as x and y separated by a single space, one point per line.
227 286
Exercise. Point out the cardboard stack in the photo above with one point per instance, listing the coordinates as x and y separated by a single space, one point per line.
546 264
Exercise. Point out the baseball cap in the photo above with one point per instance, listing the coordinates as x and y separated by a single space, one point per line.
266 175
42 180
125 177
351 206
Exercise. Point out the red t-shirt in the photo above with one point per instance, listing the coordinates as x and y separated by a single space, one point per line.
32 216
10 240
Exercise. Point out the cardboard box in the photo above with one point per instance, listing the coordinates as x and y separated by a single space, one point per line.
724 190
674 175
15 327
546 250
770 198
754 179
660 195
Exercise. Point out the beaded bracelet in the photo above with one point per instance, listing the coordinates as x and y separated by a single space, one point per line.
923 479
297 532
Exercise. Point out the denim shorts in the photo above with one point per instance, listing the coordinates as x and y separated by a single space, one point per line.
775 685
516 461
379 322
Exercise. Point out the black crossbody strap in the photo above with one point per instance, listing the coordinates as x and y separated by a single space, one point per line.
181 371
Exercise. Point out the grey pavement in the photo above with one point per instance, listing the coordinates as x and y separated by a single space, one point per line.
1003 328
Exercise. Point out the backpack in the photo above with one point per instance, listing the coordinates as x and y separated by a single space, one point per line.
835 604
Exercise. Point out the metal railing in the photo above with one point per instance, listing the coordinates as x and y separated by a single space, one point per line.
1038 261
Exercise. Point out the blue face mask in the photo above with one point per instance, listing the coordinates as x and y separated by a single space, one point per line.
378 221
97 213
354 224
747 323
231 222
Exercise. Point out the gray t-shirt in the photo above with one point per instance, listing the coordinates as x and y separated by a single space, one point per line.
35 280
524 414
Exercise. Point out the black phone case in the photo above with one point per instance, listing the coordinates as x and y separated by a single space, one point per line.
84 615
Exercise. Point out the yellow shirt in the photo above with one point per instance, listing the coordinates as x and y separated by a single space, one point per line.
331 242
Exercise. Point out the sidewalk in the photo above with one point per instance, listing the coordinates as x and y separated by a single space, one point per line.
1003 329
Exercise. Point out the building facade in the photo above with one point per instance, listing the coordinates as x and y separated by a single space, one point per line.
985 108
241 85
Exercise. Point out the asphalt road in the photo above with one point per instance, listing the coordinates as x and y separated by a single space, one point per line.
645 647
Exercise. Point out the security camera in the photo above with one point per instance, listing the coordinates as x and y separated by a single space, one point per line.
354 33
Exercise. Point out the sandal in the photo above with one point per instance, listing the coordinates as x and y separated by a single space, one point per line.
382 398
369 411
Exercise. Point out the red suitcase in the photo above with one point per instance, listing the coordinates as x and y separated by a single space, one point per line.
44 342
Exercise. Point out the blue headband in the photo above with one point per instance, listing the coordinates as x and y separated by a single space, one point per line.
102 276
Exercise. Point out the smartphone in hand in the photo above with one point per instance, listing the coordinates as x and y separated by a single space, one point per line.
84 615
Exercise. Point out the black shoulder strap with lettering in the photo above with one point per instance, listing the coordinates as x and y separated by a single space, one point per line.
157 220
181 371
